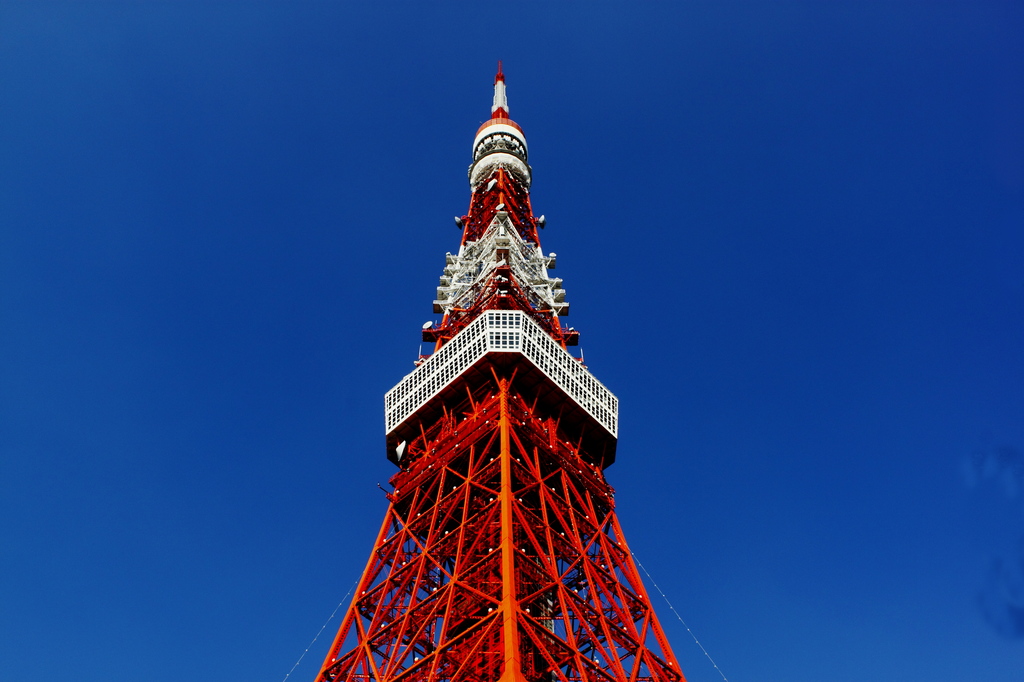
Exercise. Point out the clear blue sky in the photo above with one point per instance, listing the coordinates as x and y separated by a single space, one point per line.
793 238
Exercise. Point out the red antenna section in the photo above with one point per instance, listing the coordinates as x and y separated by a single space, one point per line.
500 107
501 558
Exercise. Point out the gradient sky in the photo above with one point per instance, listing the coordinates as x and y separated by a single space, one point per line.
792 234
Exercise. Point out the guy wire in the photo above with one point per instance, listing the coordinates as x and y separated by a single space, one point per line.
322 628
673 609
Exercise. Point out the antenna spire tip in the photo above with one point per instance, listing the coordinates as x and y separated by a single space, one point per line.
500 108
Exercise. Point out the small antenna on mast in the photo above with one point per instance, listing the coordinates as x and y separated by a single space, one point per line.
500 108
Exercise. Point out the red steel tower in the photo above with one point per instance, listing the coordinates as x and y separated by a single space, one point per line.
500 557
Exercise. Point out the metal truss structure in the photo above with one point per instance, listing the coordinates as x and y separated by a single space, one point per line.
500 558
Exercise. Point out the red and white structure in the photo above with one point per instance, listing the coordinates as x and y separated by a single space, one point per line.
500 557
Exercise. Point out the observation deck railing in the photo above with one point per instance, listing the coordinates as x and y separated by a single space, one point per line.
501 331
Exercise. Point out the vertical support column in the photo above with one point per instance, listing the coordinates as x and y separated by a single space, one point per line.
512 671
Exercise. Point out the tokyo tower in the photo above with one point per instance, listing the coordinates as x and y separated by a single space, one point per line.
500 557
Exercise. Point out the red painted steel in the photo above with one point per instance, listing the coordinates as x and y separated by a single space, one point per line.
500 557
507 190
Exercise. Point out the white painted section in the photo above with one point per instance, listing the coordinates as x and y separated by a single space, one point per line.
465 273
501 332
500 100
498 128
490 163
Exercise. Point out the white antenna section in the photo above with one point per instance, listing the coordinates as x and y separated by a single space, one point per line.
500 100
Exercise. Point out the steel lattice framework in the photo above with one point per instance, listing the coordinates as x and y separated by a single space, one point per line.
500 557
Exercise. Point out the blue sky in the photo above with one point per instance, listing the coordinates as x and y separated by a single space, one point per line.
791 234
